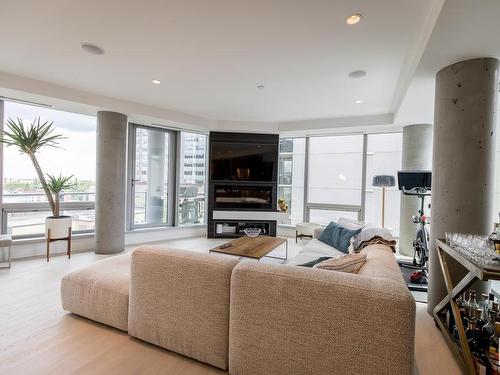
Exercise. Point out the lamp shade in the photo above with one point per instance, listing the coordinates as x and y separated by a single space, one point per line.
384 180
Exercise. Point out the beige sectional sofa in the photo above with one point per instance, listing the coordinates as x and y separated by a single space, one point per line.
256 318
179 300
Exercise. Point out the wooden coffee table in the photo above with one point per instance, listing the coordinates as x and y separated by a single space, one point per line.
254 248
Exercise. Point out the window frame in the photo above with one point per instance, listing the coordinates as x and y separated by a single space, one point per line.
360 209
172 188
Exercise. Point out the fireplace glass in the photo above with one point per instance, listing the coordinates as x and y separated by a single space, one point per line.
242 197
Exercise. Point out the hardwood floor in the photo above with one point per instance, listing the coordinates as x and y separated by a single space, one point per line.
38 337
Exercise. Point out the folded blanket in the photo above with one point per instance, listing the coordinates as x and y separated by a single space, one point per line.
377 240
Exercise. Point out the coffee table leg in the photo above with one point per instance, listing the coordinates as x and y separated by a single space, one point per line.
286 253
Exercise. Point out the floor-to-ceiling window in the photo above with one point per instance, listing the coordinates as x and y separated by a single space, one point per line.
168 169
152 170
191 196
334 177
291 177
23 207
384 155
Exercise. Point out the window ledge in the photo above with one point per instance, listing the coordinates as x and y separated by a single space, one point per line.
165 228
40 239
22 241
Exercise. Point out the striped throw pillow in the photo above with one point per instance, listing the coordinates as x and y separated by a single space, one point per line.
350 263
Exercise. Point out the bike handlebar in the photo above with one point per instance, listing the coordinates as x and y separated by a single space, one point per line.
417 191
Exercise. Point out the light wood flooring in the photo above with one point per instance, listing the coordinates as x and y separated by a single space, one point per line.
38 337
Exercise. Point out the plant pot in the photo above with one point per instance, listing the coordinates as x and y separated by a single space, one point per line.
59 226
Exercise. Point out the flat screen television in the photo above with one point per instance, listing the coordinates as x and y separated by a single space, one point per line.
233 161
414 179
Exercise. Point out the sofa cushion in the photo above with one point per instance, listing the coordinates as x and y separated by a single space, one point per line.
338 237
380 263
318 247
99 291
179 300
302 321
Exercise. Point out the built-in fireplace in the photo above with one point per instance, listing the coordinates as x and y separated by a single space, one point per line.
243 197
242 190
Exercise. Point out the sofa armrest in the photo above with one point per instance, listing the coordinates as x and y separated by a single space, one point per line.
295 321
179 300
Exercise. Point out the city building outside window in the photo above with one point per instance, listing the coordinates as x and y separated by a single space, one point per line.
291 177
191 200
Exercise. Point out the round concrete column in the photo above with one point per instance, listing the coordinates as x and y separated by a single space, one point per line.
110 182
463 158
417 155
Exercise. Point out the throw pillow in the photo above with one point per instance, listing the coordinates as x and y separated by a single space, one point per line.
350 223
338 237
350 263
312 263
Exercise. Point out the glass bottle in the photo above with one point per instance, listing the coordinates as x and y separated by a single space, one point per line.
489 328
477 350
461 303
493 351
478 317
469 332
471 303
483 304
491 299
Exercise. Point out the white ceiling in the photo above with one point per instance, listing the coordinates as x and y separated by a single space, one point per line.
465 29
211 55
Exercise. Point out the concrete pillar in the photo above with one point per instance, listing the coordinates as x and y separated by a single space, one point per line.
156 176
417 155
110 182
463 158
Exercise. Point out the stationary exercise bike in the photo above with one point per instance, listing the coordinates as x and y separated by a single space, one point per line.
418 184
421 243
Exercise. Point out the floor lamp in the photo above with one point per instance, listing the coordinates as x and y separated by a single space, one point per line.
383 181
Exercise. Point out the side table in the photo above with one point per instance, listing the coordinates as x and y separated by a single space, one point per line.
5 243
305 230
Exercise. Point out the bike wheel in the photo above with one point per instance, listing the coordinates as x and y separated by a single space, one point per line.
419 256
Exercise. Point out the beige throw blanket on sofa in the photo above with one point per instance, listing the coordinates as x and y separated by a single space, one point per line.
377 240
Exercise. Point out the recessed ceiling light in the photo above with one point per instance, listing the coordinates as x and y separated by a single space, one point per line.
358 101
353 19
357 74
260 87
92 48
156 81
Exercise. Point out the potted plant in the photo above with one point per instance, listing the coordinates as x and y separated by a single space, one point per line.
29 140
57 224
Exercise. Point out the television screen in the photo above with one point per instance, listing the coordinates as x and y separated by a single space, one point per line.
243 161
414 179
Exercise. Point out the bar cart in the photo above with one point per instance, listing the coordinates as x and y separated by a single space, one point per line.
476 271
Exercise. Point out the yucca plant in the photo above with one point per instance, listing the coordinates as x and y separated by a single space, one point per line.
29 140
56 185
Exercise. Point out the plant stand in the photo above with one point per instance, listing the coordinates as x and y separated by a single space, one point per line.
475 272
68 239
